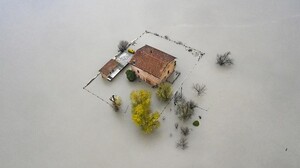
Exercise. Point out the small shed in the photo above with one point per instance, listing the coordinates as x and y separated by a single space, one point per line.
110 69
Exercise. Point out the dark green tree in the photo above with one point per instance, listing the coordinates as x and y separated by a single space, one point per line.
130 75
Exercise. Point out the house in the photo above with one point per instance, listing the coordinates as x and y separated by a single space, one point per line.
110 69
152 65
114 66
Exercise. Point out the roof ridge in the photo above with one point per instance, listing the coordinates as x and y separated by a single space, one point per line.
158 58
152 60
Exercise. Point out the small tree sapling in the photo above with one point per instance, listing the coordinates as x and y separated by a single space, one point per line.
178 97
200 89
185 131
224 59
182 143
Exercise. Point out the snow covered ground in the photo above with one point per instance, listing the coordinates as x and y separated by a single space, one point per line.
50 49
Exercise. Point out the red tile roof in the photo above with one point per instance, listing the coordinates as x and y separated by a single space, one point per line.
108 67
151 60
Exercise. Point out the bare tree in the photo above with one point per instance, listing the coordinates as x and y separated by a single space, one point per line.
192 104
178 97
185 131
182 143
123 45
200 89
185 110
224 59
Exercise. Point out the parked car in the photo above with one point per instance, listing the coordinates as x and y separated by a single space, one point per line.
131 51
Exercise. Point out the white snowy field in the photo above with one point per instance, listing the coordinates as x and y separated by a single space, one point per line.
50 49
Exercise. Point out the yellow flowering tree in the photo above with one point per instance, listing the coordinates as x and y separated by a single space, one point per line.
141 112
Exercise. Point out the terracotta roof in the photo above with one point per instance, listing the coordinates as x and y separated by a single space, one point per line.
151 60
108 67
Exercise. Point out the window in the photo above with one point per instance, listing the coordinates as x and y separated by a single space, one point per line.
138 71
168 72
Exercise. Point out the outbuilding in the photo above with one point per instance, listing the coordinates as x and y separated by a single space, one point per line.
110 69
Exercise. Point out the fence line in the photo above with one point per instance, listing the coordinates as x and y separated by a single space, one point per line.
91 80
180 86
194 51
98 97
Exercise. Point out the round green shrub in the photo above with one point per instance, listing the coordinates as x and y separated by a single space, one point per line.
196 123
164 91
130 75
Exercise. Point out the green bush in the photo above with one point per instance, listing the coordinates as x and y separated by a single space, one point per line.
196 123
164 91
131 75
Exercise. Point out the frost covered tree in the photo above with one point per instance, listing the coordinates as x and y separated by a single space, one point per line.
141 112
224 59
123 45
164 91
